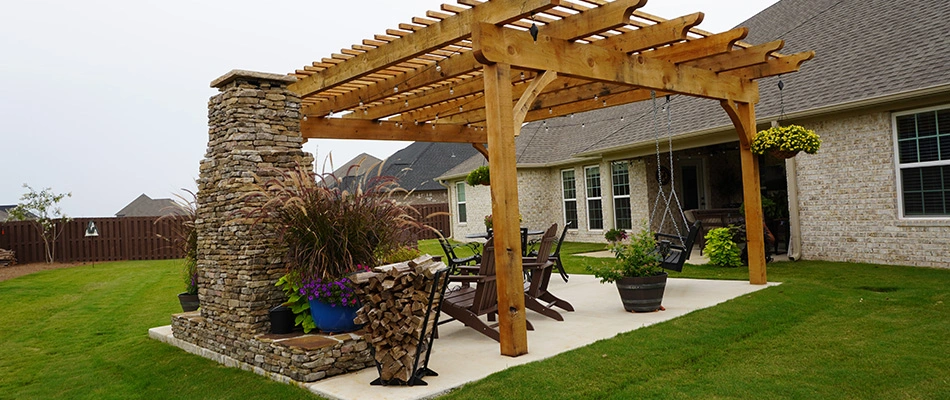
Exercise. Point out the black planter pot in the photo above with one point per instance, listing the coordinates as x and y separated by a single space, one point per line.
281 320
189 302
642 294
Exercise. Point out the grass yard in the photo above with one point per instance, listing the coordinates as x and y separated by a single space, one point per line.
82 333
831 330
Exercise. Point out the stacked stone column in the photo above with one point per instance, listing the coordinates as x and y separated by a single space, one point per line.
254 130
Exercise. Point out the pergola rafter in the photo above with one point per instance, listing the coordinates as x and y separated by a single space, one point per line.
472 73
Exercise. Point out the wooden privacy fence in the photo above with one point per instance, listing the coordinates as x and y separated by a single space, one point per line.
436 216
126 238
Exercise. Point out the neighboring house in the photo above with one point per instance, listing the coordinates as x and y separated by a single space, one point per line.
878 93
351 172
5 214
144 206
417 165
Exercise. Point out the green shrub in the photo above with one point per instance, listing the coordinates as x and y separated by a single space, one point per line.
721 249
634 259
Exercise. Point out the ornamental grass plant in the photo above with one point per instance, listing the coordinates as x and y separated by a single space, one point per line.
791 138
330 227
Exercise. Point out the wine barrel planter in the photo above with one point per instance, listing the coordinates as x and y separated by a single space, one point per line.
642 294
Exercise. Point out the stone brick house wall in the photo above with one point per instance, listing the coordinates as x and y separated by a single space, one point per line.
849 200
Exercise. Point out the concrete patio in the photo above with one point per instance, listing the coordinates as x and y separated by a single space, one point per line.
462 355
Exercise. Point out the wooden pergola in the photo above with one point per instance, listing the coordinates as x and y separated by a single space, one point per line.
476 71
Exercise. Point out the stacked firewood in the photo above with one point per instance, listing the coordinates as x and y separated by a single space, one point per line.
395 301
7 257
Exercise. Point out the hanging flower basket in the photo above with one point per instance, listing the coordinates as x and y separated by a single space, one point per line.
479 176
782 154
786 141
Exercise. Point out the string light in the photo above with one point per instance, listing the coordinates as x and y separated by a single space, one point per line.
522 75
407 103
550 111
595 97
438 68
451 90
605 103
361 103
396 89
460 108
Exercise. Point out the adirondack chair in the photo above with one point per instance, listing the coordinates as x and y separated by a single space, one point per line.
467 303
556 255
536 296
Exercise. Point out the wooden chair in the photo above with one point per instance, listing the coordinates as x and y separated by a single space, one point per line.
536 296
556 255
467 304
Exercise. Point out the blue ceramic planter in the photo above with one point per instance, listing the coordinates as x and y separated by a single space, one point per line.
333 319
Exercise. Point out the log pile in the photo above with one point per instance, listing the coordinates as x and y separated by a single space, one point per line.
395 302
7 257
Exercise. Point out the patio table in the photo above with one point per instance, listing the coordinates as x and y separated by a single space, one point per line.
525 232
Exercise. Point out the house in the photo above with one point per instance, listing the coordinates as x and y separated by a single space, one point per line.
144 206
5 212
878 191
417 165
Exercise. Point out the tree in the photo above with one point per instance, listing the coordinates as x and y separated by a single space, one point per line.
42 208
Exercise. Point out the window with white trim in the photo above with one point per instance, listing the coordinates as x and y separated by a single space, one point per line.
595 210
923 162
620 181
569 196
460 204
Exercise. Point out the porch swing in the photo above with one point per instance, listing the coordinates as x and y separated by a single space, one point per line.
672 247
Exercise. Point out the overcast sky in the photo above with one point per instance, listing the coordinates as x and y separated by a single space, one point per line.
108 99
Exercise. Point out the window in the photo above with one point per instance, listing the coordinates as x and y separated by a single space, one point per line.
463 216
595 211
620 179
923 162
569 194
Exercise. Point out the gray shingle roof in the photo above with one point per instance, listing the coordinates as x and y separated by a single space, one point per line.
865 49
419 163
144 206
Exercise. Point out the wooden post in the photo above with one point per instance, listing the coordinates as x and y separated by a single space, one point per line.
512 325
752 195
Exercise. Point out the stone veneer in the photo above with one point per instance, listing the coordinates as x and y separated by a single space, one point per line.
254 130
848 199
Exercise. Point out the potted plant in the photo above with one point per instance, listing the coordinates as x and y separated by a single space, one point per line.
479 176
187 238
636 272
614 235
329 233
786 141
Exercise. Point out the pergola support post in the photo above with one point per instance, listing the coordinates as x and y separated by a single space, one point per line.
743 117
512 324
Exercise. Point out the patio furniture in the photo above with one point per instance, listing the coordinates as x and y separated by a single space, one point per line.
714 218
675 255
453 260
537 297
525 232
556 255
467 304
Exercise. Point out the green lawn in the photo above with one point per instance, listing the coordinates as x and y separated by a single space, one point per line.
83 333
831 330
